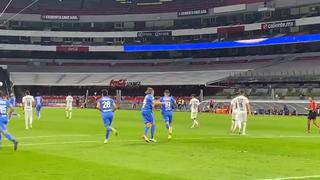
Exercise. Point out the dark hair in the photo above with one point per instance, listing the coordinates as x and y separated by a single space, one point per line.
149 90
242 92
104 92
38 94
193 95
167 91
27 92
69 93
2 94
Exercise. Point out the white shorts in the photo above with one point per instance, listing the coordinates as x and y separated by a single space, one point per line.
241 116
194 115
28 114
69 108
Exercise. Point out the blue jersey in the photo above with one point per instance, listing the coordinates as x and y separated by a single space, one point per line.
38 100
148 103
167 103
106 104
12 101
4 106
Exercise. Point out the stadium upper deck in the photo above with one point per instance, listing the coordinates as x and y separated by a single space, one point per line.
98 7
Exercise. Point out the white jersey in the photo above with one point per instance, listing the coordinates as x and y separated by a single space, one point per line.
194 105
27 102
69 101
239 104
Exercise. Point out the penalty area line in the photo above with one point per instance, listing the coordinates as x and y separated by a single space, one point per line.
294 178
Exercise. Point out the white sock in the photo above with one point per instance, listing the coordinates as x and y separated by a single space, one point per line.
244 127
27 123
232 125
196 122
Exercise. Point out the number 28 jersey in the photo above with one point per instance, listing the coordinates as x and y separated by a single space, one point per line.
106 104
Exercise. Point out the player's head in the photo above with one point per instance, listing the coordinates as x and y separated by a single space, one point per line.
27 92
38 94
193 95
69 93
166 92
241 92
311 98
150 90
12 94
104 92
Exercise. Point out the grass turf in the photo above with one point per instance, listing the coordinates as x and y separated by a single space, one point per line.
62 149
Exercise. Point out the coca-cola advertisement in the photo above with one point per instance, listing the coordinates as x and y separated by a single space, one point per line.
122 83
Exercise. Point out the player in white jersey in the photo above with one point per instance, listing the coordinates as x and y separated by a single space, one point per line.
194 107
241 107
69 102
232 111
28 104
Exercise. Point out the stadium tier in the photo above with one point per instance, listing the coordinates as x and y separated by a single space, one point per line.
98 7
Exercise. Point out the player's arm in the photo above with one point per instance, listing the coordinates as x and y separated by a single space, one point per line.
230 108
248 108
115 107
33 103
10 109
98 106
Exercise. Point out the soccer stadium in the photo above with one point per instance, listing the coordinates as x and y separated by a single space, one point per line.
159 89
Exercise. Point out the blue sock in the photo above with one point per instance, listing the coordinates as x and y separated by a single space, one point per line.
108 132
146 129
153 128
9 137
167 125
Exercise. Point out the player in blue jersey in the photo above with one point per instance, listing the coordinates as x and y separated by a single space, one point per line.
147 114
13 103
167 106
5 111
39 102
107 107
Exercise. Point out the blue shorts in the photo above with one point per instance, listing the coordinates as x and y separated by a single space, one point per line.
107 118
38 108
3 125
147 117
167 116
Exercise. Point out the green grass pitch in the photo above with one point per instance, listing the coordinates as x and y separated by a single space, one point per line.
61 149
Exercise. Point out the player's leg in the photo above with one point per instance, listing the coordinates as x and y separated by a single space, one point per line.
153 129
30 118
244 124
195 116
26 118
147 126
108 130
67 112
3 130
232 122
170 123
39 112
70 113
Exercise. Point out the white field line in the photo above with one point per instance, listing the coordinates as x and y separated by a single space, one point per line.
293 178
137 140
195 138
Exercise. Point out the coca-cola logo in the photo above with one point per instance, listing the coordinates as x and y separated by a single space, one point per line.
121 83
